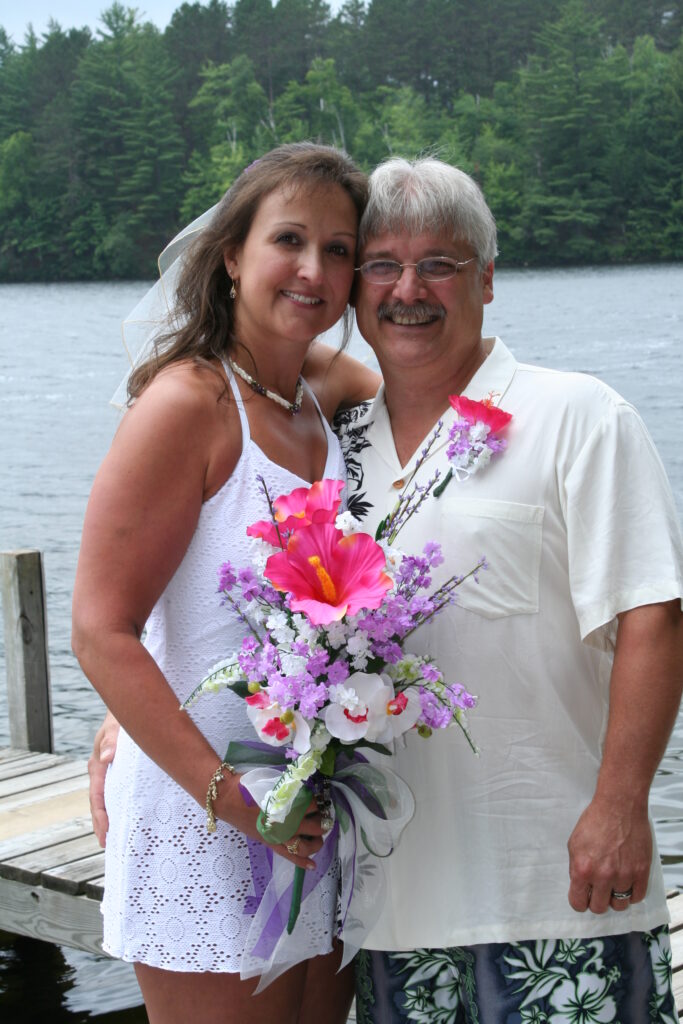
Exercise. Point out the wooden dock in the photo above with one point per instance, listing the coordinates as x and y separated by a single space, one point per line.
51 864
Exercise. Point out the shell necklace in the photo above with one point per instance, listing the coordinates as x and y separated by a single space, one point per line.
293 407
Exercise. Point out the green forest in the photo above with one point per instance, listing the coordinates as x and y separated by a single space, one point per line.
569 113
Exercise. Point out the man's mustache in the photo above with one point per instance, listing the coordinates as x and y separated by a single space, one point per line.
420 311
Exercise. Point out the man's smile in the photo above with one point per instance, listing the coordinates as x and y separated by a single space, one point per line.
410 316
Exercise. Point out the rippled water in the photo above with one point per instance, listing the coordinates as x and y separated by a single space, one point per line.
61 358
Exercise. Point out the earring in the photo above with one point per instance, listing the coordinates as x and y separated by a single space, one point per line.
233 290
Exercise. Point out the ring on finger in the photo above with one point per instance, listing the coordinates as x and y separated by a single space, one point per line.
625 895
293 847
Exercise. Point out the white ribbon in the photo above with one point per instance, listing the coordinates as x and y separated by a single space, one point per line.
363 836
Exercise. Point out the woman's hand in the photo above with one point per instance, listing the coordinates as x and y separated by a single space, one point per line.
231 806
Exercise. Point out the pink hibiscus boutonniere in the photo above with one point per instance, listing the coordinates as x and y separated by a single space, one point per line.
473 438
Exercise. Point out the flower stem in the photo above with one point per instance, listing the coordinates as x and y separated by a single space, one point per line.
295 905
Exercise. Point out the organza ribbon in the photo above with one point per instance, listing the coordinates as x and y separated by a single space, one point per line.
372 806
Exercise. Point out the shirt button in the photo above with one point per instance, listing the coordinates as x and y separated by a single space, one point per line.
398 484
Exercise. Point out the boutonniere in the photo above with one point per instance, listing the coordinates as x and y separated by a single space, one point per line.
473 438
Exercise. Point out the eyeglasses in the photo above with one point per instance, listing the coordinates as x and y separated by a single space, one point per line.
433 268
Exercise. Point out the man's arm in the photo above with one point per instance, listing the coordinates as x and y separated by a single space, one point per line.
104 748
610 848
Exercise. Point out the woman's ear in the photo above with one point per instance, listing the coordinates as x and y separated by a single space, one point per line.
230 262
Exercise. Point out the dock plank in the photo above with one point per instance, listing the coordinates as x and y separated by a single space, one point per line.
72 878
38 778
38 839
36 762
95 888
8 754
42 793
30 867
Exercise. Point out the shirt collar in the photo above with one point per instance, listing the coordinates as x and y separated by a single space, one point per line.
492 380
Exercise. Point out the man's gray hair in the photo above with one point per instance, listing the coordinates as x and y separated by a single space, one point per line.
427 195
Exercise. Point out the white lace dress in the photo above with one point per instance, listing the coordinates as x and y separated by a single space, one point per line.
174 895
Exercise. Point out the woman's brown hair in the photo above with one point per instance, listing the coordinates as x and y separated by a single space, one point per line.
201 326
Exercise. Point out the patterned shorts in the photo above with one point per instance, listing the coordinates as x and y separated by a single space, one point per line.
624 979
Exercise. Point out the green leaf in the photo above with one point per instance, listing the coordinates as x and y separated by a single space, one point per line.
329 757
379 748
243 755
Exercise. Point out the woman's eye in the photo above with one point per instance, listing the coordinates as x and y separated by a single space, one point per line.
337 249
288 238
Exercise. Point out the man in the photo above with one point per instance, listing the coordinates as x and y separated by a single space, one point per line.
525 888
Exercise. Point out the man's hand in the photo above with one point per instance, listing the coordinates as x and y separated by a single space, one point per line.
610 851
104 748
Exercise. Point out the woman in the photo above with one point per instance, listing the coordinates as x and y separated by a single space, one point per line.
223 400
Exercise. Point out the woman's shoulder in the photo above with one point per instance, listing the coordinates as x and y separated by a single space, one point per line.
181 391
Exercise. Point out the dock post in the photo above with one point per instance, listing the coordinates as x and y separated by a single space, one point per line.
22 585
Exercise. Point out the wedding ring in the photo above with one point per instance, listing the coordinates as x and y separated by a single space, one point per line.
626 895
293 847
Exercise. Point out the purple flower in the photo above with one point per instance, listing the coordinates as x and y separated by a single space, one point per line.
433 553
434 714
460 697
431 673
226 578
337 673
317 663
249 584
421 606
390 652
313 697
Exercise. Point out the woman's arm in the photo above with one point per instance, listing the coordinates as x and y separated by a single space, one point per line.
141 516
338 380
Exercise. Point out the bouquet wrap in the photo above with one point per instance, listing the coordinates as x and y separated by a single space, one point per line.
372 806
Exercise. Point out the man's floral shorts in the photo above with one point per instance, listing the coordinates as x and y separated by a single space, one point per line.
617 979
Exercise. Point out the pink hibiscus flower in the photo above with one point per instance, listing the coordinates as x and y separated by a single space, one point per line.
330 575
480 412
318 503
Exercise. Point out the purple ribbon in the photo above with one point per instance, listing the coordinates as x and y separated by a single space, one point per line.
278 915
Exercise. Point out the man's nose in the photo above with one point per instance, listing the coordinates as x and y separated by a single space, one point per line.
409 286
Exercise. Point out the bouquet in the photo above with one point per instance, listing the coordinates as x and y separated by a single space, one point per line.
323 673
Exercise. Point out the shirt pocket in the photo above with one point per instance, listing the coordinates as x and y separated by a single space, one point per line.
509 536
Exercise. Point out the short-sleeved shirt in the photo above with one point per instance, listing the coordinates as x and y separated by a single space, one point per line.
577 522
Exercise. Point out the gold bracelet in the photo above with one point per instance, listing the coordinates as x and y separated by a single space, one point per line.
212 793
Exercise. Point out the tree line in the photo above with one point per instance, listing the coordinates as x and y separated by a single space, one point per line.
568 112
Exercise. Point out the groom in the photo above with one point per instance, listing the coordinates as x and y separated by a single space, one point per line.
526 888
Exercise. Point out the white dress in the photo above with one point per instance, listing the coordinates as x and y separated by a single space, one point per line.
174 895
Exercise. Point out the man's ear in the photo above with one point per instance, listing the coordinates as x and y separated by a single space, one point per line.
487 283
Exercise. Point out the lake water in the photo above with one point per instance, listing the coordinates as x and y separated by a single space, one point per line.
61 358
